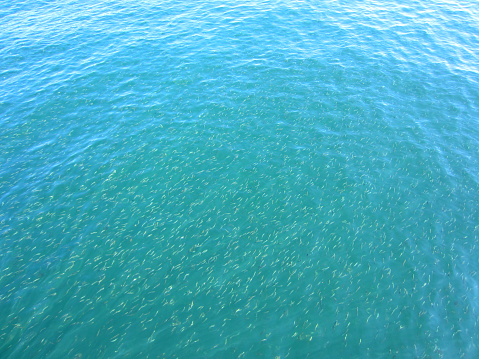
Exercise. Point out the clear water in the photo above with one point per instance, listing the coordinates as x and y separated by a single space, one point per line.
239 179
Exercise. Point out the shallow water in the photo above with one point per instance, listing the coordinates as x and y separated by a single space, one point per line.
278 179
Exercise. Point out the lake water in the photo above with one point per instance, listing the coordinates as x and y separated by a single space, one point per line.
239 179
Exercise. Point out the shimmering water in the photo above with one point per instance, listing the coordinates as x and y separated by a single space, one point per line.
239 179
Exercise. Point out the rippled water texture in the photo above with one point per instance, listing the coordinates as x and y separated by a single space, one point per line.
222 179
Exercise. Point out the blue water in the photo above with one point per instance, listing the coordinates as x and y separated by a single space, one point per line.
239 179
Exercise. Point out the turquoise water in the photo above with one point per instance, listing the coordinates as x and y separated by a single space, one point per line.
226 179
